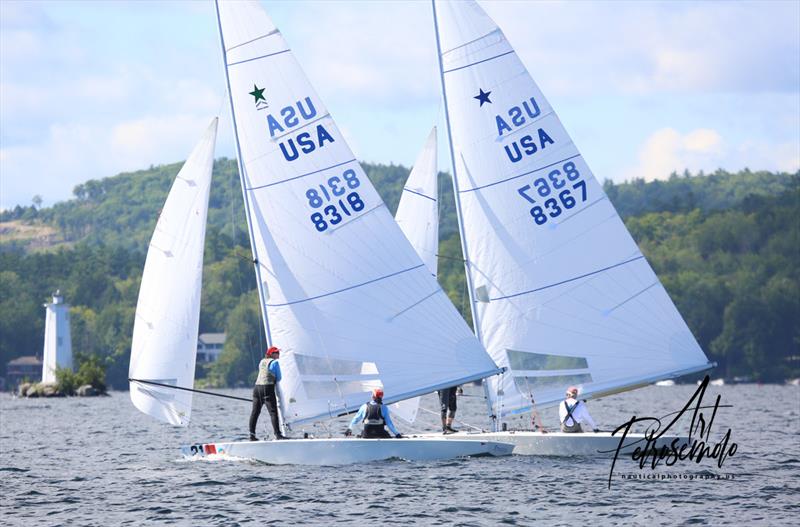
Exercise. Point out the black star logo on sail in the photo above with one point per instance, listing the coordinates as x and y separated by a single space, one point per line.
258 94
483 96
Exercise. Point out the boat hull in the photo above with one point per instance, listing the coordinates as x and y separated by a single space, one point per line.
592 444
342 451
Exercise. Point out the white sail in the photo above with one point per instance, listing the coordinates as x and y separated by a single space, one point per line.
164 344
344 292
418 217
561 293
418 210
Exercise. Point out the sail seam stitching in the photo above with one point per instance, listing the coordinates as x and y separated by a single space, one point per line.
640 257
480 61
257 58
347 288
519 175
301 175
419 194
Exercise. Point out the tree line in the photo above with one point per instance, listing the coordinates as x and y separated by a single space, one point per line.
725 245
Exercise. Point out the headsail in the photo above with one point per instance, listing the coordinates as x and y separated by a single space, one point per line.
164 344
418 211
561 293
418 217
346 296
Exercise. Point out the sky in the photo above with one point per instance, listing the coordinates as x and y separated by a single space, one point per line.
92 89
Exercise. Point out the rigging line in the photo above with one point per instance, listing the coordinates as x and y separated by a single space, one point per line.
348 288
454 420
479 62
521 175
450 258
568 279
190 390
303 175
257 58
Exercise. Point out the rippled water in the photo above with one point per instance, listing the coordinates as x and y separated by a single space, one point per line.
100 462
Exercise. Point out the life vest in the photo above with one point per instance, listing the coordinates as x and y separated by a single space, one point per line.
373 420
267 379
575 427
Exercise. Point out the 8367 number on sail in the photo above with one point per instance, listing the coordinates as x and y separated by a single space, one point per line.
561 190
334 200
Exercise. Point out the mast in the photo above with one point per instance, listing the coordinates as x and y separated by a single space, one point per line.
242 176
476 327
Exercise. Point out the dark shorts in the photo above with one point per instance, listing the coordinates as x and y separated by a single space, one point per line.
447 398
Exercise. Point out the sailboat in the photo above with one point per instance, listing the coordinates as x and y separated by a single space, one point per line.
341 290
560 293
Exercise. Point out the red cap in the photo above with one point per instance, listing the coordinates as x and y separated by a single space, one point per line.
272 350
377 393
572 391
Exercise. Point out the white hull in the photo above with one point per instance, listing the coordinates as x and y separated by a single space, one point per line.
562 444
342 451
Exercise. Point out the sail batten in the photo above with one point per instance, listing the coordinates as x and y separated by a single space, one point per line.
556 276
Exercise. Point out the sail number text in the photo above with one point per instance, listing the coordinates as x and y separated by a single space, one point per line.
561 190
334 199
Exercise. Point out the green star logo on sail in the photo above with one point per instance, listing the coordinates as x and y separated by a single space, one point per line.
258 94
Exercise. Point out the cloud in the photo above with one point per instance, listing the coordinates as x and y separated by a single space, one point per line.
667 151
93 152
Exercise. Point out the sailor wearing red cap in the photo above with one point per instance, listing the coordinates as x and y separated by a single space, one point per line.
374 415
269 375
573 412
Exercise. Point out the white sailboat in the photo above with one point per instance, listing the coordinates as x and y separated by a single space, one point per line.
164 345
342 292
560 293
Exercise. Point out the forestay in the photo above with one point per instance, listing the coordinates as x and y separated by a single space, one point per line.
346 296
164 344
562 294
418 210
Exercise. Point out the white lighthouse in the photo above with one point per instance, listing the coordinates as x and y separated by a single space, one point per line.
57 338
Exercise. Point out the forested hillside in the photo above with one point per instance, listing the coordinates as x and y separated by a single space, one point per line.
725 245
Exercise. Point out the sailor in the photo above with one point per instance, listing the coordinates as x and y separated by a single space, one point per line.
573 412
374 415
447 398
264 393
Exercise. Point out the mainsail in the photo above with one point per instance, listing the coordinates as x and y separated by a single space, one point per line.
165 329
343 292
561 294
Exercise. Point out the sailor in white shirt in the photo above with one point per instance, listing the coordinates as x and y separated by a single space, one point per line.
573 412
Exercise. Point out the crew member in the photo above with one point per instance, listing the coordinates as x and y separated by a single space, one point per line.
374 415
264 392
447 398
573 412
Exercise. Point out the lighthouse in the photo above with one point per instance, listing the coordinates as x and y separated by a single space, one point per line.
57 338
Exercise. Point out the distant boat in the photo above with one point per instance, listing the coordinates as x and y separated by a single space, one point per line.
559 291
666 382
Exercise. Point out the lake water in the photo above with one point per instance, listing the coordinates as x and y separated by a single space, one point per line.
98 461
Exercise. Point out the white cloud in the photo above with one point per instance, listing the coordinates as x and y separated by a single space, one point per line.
667 151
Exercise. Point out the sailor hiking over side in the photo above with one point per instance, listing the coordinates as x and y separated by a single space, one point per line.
375 417
265 392
572 413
